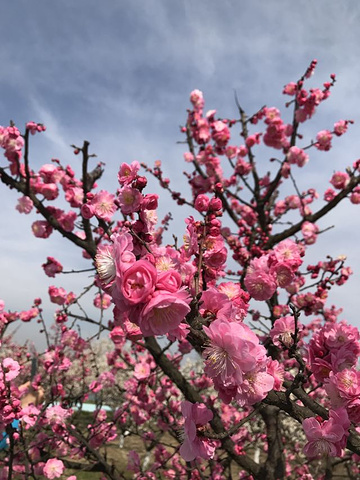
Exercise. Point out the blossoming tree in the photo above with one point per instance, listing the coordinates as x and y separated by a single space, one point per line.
226 360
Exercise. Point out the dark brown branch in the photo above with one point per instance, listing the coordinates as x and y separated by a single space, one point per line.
274 466
275 239
20 186
193 396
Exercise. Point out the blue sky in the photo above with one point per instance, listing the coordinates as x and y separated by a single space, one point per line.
119 74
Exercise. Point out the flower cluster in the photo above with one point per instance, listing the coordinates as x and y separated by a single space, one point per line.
272 270
236 362
333 348
153 299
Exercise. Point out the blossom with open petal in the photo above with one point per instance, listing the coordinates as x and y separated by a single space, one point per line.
196 415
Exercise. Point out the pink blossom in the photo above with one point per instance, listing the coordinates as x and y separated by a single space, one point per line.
252 140
50 191
104 206
169 280
283 273
283 331
220 133
260 284
105 263
333 347
288 252
52 267
138 282
57 295
340 127
297 156
123 251
164 312
42 229
27 315
309 231
102 301
29 415
329 195
355 196
196 416
74 195
326 438
290 88
234 351
254 387
117 335
215 304
188 157
50 173
129 200
142 370
53 468
202 203
238 297
11 369
343 387
197 99
87 210
150 202
67 220
277 372
340 180
35 127
128 173
323 140
57 414
24 205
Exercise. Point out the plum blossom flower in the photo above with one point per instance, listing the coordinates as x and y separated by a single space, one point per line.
334 347
53 468
164 312
11 369
202 203
138 282
260 284
309 231
105 263
340 180
129 200
326 438
236 362
25 205
41 229
197 99
341 127
297 156
283 331
57 295
196 416
128 173
323 140
104 205
52 267
102 301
